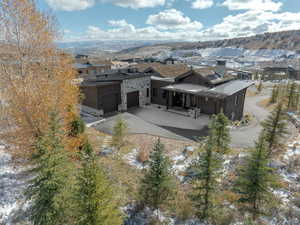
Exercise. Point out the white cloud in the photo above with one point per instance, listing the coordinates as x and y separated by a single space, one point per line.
70 5
172 19
136 4
253 22
202 4
263 5
173 25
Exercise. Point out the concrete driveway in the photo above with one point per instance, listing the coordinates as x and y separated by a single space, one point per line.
136 125
175 122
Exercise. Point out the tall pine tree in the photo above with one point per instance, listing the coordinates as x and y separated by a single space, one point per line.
219 129
292 95
48 190
95 198
274 95
205 183
275 127
256 180
157 186
260 86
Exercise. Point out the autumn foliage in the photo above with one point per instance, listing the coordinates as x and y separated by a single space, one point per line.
35 77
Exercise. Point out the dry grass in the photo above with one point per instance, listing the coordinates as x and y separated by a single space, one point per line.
146 142
126 177
251 93
265 103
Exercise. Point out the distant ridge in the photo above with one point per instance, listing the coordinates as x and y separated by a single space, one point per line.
286 40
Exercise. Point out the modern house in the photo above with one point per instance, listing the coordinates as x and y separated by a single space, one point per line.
117 90
208 90
205 91
175 86
90 69
279 73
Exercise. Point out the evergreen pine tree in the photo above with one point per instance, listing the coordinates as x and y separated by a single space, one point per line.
119 133
274 95
157 186
219 129
48 190
77 127
256 180
95 198
275 128
291 96
205 182
260 86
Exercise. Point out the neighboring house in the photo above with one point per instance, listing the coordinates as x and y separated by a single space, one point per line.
92 69
170 60
119 65
117 90
279 73
241 75
133 60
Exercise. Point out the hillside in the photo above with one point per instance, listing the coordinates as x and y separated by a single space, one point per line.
286 40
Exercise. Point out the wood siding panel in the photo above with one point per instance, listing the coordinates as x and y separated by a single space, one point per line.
89 96
159 93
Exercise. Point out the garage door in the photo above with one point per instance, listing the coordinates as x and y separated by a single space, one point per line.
110 103
133 99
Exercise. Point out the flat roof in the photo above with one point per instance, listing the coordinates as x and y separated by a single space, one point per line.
88 83
117 75
231 87
187 88
167 79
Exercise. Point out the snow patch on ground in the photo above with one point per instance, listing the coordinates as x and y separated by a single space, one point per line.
12 185
131 159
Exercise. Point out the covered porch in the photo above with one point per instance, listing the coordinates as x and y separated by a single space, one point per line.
193 99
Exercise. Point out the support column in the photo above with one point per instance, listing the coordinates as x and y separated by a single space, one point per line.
168 96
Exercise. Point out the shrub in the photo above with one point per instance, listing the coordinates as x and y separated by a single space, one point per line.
143 155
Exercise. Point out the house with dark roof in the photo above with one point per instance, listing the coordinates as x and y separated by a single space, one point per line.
89 69
209 90
117 90
279 72
175 86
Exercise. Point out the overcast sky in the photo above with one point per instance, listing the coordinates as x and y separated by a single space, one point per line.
195 20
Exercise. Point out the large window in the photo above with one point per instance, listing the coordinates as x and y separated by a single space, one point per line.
147 92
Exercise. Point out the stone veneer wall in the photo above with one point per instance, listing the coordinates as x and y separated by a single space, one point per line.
137 84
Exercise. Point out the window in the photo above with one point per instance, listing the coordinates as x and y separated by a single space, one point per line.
154 92
236 99
147 92
164 94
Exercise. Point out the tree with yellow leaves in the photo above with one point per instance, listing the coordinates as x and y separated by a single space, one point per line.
35 77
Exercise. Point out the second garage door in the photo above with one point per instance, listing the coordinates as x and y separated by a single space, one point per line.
133 99
110 103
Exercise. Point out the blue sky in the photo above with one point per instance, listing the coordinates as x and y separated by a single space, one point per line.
195 20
